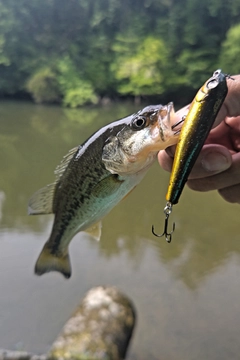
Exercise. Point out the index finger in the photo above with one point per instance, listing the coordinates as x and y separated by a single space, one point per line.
231 105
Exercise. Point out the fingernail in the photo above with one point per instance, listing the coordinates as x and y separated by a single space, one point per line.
215 162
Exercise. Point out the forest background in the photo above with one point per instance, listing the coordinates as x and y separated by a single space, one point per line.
76 52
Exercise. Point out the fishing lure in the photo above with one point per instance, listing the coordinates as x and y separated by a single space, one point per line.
195 129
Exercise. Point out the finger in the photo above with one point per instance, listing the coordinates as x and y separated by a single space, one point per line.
234 122
231 105
222 135
234 128
178 117
227 178
212 159
231 194
183 111
165 160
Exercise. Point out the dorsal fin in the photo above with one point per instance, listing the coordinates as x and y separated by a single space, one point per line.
42 201
64 163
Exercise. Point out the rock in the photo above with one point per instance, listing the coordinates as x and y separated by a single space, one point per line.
100 329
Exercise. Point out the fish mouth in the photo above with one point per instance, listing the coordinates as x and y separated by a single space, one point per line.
166 116
178 125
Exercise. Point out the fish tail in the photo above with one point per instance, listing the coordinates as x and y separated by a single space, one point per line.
48 261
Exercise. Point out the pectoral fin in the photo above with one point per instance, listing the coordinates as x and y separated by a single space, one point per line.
103 190
107 187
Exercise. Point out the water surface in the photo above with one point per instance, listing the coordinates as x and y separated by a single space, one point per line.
186 293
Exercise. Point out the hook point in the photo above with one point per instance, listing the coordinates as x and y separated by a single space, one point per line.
168 236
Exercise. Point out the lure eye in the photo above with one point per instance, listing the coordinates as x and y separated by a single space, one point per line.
217 72
212 84
139 123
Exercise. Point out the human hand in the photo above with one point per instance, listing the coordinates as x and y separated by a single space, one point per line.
218 164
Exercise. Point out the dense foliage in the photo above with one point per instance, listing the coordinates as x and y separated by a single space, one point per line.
80 51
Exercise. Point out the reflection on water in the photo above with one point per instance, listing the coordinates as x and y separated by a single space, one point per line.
186 293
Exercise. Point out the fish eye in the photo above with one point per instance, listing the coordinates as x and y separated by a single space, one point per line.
139 123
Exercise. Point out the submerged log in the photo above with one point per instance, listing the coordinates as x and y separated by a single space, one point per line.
100 329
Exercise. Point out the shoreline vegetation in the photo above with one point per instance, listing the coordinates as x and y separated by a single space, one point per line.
139 101
84 52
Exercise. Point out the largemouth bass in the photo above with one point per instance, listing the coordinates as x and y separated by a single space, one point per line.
95 176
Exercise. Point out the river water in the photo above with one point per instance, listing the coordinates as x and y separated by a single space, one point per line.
186 293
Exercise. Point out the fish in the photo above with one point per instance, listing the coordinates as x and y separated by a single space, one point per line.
93 177
194 131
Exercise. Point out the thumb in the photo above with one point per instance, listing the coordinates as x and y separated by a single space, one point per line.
213 159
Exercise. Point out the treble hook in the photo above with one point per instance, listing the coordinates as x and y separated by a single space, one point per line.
167 212
178 123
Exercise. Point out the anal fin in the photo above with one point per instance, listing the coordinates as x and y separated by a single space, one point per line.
95 230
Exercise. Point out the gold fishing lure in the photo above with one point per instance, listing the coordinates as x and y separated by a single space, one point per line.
195 129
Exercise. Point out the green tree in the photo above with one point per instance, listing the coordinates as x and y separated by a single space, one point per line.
75 89
230 51
116 48
143 71
43 86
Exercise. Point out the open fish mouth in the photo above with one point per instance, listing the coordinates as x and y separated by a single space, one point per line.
166 122
178 125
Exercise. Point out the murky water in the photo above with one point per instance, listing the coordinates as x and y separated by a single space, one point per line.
186 293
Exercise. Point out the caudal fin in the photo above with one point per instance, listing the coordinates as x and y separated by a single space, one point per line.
50 262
